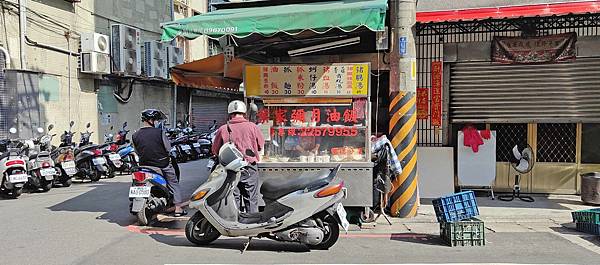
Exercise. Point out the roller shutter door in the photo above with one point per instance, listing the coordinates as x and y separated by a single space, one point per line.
4 99
206 109
560 92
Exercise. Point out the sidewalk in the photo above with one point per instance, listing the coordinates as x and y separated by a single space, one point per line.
548 214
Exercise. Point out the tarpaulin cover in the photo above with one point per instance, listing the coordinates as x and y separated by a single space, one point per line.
209 73
320 17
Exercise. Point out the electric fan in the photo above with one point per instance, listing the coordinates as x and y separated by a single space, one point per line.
522 161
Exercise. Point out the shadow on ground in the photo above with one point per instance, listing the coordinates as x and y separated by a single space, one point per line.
541 202
234 244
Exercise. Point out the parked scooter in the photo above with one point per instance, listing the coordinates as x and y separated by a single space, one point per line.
113 159
40 165
149 194
89 159
12 166
64 158
304 209
206 139
126 151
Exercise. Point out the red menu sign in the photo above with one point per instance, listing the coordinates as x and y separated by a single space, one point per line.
422 103
436 93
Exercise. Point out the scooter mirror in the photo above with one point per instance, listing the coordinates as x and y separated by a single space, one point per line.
124 124
71 123
13 130
250 153
40 130
111 128
88 125
50 127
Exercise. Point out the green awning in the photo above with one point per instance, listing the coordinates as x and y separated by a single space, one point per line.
319 17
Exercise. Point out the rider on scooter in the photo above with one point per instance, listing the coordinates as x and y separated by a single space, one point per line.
246 136
152 146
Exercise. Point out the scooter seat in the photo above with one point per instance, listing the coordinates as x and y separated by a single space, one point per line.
276 188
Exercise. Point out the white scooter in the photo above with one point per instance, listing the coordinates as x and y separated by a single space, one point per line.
304 209
12 166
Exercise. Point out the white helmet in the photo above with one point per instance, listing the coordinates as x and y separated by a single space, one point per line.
236 106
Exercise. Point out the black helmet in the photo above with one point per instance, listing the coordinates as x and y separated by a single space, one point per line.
153 115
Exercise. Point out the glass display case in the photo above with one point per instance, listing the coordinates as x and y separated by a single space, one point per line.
317 132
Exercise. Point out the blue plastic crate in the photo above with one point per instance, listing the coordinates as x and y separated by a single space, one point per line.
456 207
589 228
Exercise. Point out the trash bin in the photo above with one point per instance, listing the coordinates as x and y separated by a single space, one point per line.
590 187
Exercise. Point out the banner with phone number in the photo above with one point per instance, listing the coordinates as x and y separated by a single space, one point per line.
317 131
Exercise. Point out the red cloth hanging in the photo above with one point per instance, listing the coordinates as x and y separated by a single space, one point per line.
472 138
486 134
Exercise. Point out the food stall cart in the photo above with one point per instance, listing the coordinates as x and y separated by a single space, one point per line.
315 117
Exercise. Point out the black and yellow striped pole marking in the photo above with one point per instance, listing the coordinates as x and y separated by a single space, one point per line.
403 118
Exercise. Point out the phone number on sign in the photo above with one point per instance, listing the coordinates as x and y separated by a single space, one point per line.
319 132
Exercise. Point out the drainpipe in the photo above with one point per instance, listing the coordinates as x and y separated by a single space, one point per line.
22 30
6 57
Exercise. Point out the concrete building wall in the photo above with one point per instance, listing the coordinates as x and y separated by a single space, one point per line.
48 23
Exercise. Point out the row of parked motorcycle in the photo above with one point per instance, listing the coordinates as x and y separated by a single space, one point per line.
36 165
188 145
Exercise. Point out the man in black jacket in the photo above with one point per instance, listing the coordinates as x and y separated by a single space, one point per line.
152 146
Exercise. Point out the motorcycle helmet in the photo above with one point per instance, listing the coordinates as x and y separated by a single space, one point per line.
236 106
153 115
231 158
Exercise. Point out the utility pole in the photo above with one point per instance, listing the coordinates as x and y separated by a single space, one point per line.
402 108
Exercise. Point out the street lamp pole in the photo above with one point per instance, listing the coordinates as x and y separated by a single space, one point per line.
402 108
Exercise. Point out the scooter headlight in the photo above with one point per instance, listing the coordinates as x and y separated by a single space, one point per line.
199 195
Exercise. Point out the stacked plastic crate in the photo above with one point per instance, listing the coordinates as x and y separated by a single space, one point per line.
587 221
456 215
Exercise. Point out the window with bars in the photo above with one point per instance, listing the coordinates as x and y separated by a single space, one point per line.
556 142
507 136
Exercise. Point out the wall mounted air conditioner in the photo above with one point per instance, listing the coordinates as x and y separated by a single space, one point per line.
126 50
155 59
175 56
94 42
95 63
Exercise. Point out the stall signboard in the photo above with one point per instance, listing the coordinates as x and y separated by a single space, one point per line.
436 93
422 103
329 80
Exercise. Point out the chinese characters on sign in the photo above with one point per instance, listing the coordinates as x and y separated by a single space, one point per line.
436 93
307 80
422 103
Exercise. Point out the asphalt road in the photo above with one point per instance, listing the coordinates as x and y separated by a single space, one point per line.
89 223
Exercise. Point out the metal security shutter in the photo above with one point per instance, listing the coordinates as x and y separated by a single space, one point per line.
206 109
561 92
4 99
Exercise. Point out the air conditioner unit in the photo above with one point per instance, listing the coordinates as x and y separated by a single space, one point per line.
126 50
95 63
175 56
94 42
155 58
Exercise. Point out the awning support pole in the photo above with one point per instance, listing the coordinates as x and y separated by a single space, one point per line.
404 198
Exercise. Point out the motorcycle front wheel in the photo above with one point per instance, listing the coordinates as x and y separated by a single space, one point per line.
199 231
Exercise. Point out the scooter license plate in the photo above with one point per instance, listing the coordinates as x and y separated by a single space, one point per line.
342 214
48 172
210 164
68 164
70 170
99 161
18 178
114 157
196 145
139 192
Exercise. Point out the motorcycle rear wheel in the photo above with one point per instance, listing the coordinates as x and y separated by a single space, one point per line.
15 193
199 231
331 234
46 185
67 182
95 176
